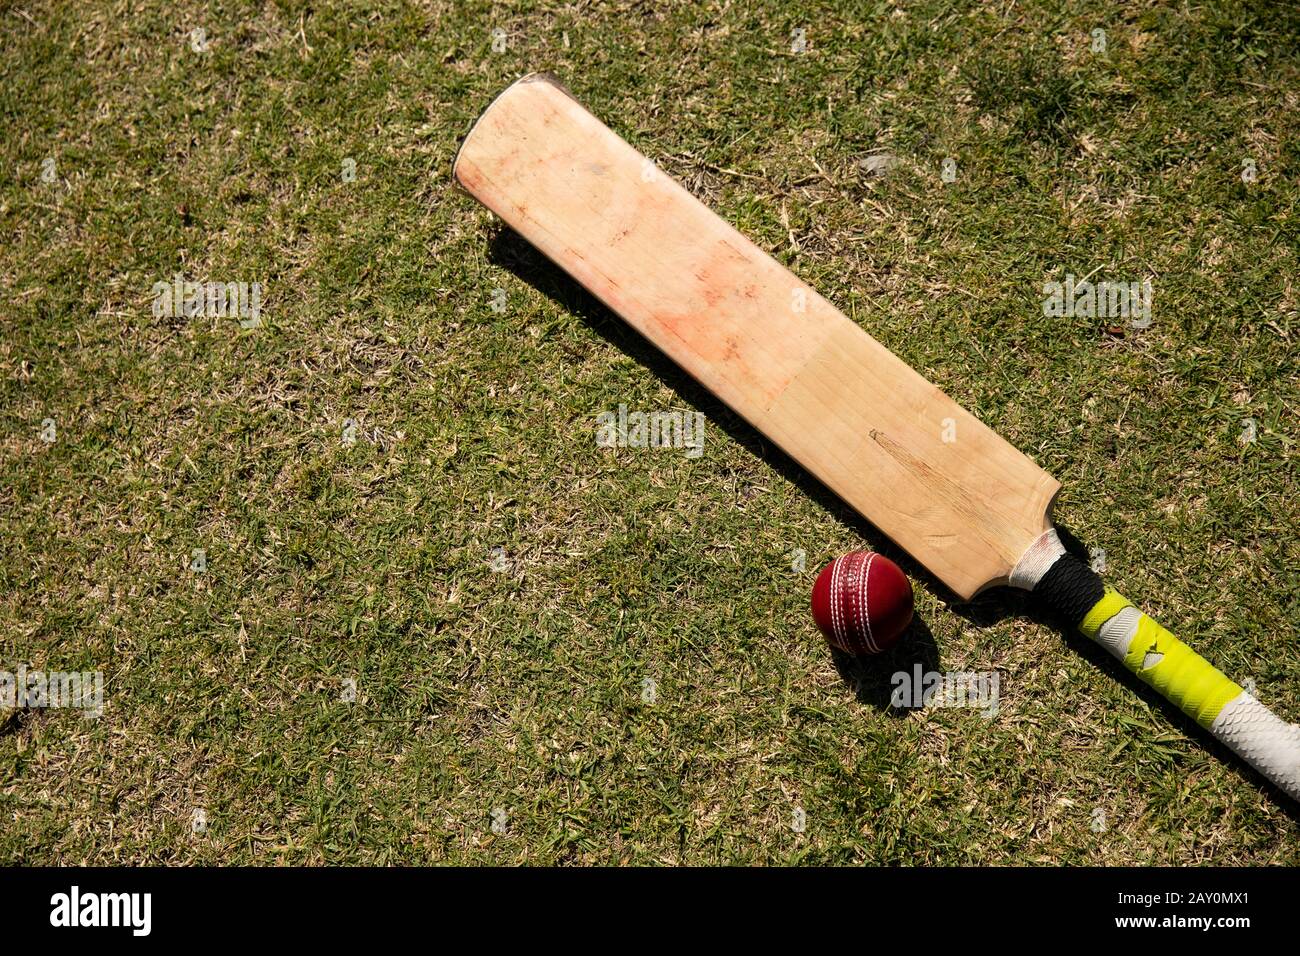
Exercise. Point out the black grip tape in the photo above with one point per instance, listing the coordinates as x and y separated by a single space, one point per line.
1070 588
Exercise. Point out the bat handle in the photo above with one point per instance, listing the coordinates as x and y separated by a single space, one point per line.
1198 688
1244 725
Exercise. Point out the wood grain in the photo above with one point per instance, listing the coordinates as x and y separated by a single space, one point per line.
832 397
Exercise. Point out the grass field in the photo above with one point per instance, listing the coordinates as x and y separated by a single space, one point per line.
498 589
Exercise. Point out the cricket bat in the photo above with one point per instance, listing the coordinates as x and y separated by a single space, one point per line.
956 496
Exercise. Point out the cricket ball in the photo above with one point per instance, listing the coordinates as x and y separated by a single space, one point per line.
862 602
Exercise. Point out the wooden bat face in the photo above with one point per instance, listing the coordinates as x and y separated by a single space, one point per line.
918 466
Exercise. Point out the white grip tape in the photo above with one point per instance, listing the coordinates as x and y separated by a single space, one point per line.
1262 739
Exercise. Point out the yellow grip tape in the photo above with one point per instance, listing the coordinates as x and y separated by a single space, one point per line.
1111 603
1178 672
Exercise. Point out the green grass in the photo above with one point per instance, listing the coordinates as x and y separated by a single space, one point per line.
522 689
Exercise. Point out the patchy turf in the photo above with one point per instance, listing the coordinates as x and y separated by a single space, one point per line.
502 709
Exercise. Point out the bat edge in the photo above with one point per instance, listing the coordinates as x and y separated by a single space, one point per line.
537 76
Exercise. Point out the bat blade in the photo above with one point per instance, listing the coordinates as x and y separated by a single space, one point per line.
942 485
